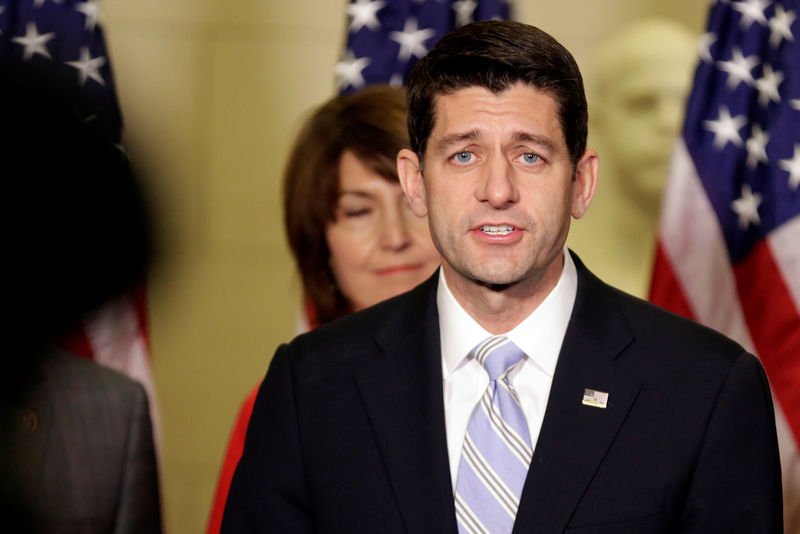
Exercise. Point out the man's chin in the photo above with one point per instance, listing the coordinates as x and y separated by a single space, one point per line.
496 279
498 274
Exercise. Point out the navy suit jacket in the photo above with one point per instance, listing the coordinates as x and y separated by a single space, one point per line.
348 431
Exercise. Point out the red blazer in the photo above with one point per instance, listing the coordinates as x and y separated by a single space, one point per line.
236 442
232 455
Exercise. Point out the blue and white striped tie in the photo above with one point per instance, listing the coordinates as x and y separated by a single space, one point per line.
497 447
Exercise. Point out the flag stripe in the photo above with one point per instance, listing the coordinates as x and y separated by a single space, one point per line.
786 251
699 257
117 341
77 342
139 303
774 326
665 288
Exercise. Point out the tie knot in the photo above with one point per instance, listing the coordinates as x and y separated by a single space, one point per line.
497 355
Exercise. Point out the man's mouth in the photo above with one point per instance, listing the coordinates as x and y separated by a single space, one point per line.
501 229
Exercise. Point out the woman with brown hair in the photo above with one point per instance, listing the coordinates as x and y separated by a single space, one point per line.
352 234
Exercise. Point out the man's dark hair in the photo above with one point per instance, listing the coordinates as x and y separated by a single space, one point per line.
495 55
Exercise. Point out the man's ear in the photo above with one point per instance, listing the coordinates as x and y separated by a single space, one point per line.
410 175
585 182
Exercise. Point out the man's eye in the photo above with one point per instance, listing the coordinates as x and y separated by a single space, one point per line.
530 158
463 157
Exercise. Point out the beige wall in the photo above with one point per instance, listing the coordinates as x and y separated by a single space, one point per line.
212 93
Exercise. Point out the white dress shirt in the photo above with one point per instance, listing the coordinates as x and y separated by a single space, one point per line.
539 336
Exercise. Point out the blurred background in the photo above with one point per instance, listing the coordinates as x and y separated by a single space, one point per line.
212 94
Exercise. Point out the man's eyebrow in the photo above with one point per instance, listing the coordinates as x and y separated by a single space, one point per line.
520 136
449 140
540 140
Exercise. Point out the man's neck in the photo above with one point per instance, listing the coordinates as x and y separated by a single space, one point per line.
500 309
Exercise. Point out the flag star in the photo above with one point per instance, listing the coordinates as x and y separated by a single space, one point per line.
780 26
396 80
738 68
91 10
88 67
412 39
752 11
38 3
464 10
795 102
704 46
726 128
746 207
34 42
757 147
767 86
349 70
364 13
792 166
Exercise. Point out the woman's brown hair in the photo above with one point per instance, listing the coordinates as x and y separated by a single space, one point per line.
372 125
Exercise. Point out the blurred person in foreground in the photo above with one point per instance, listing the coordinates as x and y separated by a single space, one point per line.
353 236
513 389
76 446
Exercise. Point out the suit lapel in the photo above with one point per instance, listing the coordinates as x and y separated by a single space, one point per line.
403 397
574 437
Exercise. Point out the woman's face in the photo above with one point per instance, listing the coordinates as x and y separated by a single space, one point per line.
378 247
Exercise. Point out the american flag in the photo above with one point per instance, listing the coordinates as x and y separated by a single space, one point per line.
385 38
728 251
65 37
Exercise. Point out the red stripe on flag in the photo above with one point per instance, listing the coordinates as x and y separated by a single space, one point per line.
77 342
774 326
139 303
665 290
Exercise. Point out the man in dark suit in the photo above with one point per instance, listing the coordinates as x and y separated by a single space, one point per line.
76 446
84 450
626 419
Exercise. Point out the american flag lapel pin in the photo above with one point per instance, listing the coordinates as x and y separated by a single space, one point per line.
597 399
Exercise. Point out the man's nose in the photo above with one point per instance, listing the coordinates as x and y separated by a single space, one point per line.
497 186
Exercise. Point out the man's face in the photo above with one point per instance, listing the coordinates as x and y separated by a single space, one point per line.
498 186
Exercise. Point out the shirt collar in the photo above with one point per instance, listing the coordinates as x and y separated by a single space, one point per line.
539 335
